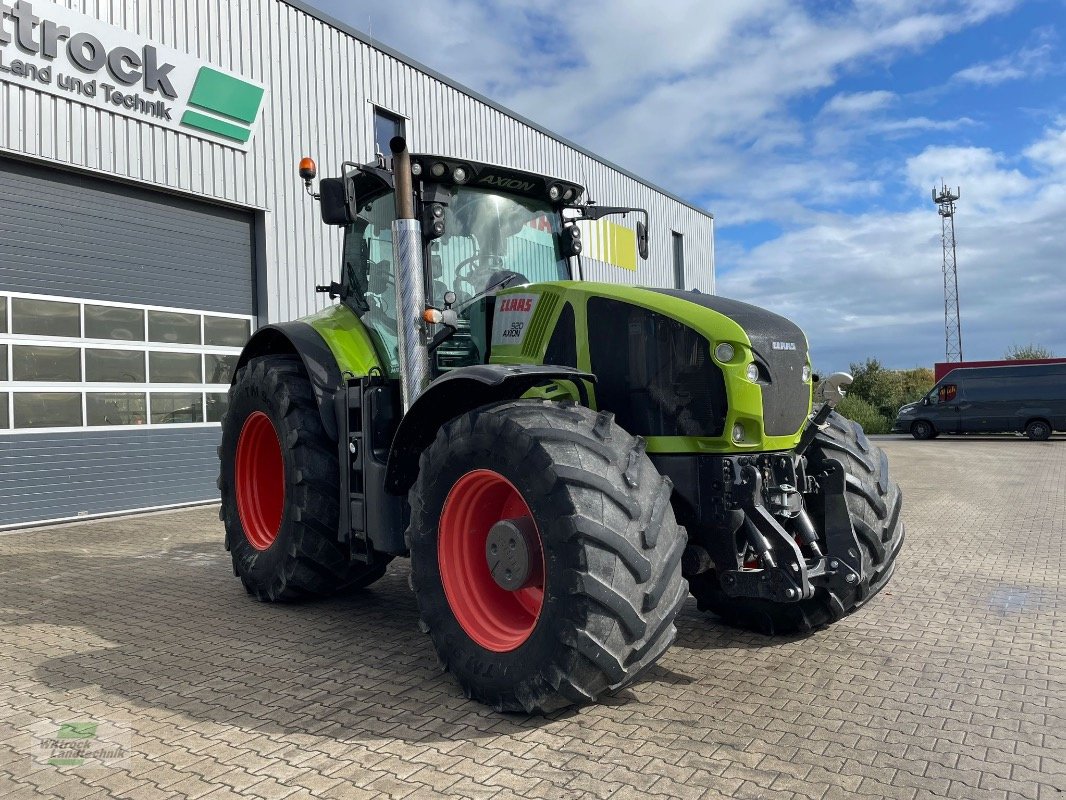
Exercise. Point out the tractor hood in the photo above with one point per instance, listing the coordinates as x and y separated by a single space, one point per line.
683 363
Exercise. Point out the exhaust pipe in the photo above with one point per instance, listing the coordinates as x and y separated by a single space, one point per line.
410 280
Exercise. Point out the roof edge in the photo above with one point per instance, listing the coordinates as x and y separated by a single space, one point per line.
355 33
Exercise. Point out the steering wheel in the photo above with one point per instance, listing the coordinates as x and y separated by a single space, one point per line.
467 270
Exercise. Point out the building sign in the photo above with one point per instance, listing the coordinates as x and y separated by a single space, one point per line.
49 48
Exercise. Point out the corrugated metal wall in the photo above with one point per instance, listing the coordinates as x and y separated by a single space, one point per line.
57 476
322 84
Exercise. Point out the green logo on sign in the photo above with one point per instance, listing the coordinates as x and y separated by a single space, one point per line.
227 106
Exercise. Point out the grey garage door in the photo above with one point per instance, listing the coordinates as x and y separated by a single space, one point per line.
122 312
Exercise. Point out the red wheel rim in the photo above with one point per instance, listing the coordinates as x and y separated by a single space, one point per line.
259 475
497 619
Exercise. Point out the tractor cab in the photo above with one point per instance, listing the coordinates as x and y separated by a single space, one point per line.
484 228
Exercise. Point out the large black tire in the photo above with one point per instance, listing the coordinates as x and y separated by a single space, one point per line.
611 580
304 559
874 500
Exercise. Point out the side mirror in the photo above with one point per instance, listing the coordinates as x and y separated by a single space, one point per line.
642 239
339 204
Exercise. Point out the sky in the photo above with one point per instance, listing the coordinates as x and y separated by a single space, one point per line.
815 133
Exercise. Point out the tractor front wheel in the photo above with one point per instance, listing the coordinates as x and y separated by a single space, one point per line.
279 484
545 558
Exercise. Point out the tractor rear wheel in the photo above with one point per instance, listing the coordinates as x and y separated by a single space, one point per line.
545 558
279 484
874 502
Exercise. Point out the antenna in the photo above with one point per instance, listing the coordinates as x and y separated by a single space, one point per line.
945 201
379 157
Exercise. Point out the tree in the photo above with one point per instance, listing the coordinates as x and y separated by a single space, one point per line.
1019 352
888 389
876 394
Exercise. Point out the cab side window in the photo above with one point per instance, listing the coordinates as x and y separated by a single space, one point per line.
947 393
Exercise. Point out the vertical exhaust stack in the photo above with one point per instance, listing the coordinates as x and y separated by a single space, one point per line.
410 280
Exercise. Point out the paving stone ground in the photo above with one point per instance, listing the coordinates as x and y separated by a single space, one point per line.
951 684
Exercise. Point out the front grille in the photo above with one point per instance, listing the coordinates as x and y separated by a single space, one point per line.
653 372
786 395
538 326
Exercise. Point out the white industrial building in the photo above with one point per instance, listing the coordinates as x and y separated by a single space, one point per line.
151 218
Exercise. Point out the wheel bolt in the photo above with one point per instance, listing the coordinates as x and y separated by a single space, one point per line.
851 578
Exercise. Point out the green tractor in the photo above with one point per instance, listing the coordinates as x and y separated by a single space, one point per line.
562 461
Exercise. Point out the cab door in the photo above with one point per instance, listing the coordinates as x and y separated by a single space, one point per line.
947 409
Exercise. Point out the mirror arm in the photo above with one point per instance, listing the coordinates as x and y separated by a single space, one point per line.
598 212
441 337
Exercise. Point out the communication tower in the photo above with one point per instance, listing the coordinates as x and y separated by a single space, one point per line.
945 201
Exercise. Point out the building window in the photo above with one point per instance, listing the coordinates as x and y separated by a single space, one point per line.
679 260
74 363
386 126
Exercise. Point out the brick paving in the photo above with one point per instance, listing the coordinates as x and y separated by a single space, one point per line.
951 684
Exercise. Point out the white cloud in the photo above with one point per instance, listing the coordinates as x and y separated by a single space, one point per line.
850 103
989 184
1033 60
989 74
1050 152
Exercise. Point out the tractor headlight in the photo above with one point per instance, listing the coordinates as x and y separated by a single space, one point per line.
753 373
416 169
724 352
555 193
459 175
738 433
438 170
806 373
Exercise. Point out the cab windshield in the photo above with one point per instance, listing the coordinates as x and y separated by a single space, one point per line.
490 238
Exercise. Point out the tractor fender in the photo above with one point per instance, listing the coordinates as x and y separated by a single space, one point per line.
455 393
319 363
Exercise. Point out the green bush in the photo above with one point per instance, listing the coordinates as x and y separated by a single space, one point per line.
863 412
888 389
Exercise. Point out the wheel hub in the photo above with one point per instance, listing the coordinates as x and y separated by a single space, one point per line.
512 553
496 597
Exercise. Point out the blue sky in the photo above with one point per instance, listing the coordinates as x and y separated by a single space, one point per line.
814 133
